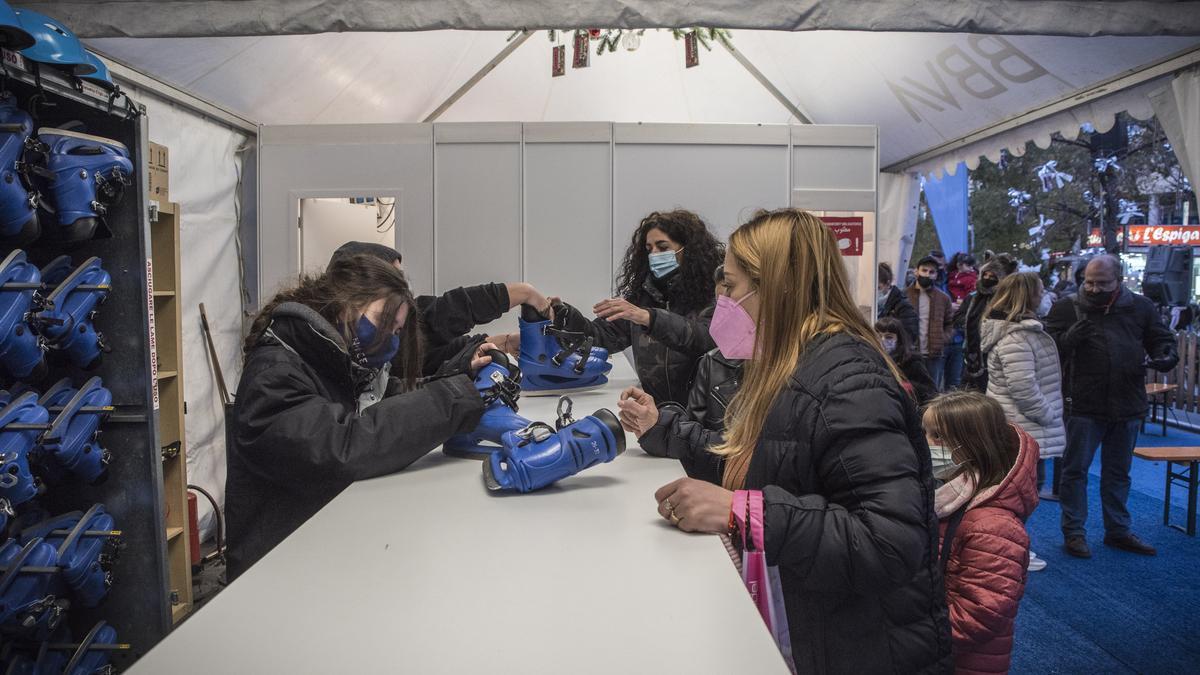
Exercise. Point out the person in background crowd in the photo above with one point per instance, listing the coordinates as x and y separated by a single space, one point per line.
1069 278
687 433
822 428
961 284
1107 336
970 315
936 321
943 275
1024 372
894 304
301 432
446 319
663 303
988 495
897 345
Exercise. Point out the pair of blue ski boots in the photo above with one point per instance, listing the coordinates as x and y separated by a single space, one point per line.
59 184
63 319
58 434
60 655
522 455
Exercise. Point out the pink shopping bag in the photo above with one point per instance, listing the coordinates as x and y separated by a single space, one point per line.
761 580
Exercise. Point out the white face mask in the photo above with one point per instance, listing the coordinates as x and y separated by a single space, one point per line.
944 465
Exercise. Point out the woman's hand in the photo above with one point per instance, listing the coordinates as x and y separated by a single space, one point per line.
695 506
619 308
638 411
480 358
525 294
509 343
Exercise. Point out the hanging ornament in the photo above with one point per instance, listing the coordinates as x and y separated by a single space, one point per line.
582 53
691 50
631 40
1103 164
558 61
594 33
1129 211
1018 197
1051 177
1038 230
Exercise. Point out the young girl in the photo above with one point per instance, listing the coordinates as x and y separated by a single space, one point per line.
982 508
895 342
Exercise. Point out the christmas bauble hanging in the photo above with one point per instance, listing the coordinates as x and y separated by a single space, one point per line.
594 33
631 41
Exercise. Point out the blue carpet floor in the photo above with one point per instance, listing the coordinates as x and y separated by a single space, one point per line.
1117 612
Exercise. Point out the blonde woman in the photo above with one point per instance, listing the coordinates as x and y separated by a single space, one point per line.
823 428
1024 376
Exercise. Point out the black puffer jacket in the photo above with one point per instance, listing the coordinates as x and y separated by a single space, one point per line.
666 352
899 308
447 319
968 319
1103 352
848 492
298 439
687 433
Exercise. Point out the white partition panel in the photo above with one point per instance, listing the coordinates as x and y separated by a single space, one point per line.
380 160
723 173
568 210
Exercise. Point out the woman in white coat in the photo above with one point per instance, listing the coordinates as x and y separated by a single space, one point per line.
1024 374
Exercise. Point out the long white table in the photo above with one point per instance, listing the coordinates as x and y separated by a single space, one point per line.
426 571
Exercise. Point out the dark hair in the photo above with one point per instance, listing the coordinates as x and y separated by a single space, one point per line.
928 260
974 429
349 284
961 258
892 325
351 248
701 256
719 275
886 276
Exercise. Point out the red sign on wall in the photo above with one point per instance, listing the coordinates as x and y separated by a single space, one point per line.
1154 235
849 233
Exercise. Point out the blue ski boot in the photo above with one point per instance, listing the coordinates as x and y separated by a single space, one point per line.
6 512
22 352
66 321
28 607
539 455
87 175
73 440
555 360
18 202
86 547
93 654
499 383
21 424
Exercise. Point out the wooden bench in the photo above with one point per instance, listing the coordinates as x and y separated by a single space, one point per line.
1190 457
1158 394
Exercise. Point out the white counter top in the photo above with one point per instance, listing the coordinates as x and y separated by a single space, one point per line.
425 571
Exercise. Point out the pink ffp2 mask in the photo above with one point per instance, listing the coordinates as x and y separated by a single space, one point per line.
732 328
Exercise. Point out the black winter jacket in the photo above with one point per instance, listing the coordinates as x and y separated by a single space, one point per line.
687 433
447 319
969 319
918 376
898 307
848 493
1103 353
298 439
666 352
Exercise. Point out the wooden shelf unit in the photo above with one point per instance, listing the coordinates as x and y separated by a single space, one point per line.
164 244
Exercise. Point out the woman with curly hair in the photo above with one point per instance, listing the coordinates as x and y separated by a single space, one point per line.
663 303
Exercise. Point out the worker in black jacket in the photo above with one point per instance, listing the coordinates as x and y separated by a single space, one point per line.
668 269
447 319
1107 336
893 303
822 429
300 431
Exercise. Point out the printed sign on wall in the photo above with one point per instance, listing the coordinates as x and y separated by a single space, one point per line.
849 233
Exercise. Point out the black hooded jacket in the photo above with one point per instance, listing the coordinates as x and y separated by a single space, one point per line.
848 507
898 307
298 438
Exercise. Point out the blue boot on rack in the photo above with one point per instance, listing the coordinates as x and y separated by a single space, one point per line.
22 422
540 455
87 175
6 512
94 652
28 606
73 440
19 223
499 383
22 351
66 321
555 360
86 547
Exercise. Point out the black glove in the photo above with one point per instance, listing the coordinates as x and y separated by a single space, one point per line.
460 363
1162 363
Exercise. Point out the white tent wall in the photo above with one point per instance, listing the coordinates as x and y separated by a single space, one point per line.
204 180
553 204
899 202
1177 106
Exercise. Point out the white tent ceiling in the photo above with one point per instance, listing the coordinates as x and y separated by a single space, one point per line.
921 89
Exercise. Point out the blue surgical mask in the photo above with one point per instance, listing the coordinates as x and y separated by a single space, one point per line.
663 263
364 333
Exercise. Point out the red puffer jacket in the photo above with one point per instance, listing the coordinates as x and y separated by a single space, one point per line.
985 575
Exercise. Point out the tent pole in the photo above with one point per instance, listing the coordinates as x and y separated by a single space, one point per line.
767 84
487 68
1160 68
